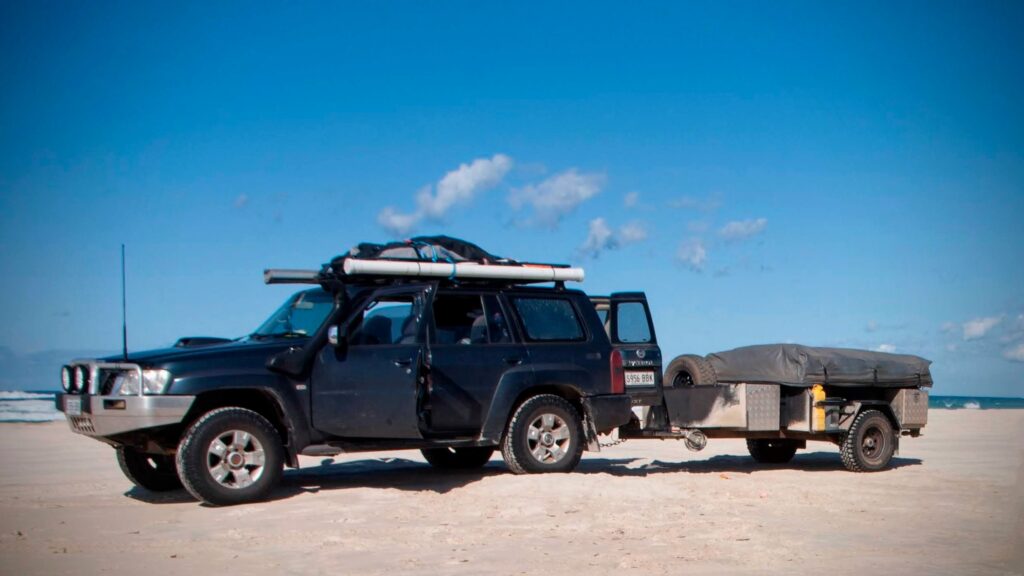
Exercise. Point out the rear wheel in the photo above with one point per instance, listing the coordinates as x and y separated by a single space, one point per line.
458 458
545 434
772 450
870 443
230 456
154 472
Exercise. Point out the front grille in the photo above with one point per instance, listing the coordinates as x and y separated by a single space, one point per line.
82 424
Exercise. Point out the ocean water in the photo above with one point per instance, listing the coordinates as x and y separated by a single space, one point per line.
28 407
39 406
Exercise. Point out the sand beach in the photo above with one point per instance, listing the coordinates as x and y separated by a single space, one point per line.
953 504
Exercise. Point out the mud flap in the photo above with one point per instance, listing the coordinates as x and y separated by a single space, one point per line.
589 430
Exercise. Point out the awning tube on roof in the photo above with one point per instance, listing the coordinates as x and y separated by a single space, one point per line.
464 270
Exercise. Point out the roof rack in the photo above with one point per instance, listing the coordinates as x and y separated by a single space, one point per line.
455 271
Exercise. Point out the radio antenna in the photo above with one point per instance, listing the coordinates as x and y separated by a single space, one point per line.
124 310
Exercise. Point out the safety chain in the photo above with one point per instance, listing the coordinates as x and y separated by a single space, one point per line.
612 443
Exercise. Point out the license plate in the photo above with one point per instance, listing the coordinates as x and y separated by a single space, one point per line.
639 378
72 406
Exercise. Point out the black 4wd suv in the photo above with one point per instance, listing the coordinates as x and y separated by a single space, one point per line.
456 370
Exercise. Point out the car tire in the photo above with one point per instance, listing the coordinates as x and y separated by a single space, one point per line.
771 450
467 458
230 456
545 434
690 370
869 444
153 472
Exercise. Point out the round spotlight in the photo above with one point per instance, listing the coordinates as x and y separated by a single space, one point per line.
65 378
81 378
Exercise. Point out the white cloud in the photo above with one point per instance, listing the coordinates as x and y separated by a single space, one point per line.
241 200
979 327
557 196
709 204
396 223
692 254
601 237
890 348
743 229
1015 353
948 327
458 186
633 232
631 199
871 326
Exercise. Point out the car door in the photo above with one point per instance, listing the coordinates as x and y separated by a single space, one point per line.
631 332
367 386
472 347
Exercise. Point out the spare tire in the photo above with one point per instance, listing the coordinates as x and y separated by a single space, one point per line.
690 370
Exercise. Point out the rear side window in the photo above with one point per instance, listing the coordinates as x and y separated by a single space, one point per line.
549 319
631 323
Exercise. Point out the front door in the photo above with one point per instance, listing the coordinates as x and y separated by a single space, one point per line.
368 387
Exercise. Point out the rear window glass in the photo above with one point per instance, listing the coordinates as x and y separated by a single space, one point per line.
549 319
631 323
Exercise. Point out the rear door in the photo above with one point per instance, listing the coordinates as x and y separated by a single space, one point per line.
631 331
472 347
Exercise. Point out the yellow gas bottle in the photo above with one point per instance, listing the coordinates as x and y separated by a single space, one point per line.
817 408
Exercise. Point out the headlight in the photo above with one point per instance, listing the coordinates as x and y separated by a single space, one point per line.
153 382
65 378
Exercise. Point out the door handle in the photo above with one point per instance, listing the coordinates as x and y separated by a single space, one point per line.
403 361
514 360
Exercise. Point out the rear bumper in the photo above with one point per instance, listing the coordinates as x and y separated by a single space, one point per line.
608 412
101 416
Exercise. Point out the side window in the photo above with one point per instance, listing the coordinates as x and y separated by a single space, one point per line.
549 319
459 319
631 323
386 320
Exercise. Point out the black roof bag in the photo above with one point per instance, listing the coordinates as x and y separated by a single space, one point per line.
796 365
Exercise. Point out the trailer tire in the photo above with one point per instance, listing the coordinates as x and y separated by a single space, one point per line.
771 450
545 434
153 472
869 444
690 370
458 458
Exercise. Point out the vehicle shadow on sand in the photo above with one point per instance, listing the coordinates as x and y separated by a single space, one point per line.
416 476
806 462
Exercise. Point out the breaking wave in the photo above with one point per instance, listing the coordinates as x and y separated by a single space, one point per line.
17 406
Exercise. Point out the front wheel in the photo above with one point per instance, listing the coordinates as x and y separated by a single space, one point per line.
771 450
869 444
230 456
545 434
458 458
153 472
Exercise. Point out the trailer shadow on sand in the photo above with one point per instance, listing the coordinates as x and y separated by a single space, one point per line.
416 476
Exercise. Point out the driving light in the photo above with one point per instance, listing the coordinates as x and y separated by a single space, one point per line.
65 378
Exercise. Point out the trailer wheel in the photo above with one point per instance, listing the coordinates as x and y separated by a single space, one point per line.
869 444
690 370
230 456
545 434
458 458
154 472
772 450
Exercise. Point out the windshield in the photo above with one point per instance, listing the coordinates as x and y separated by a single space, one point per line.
301 315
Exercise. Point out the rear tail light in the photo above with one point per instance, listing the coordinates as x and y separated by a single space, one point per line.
618 374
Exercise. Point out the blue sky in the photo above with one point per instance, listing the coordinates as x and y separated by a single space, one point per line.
797 172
